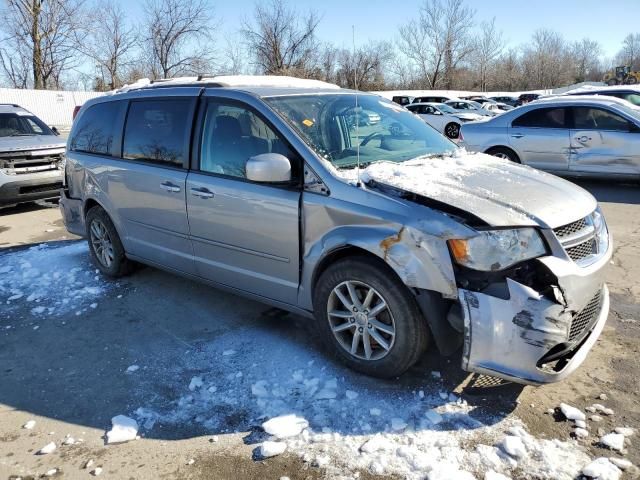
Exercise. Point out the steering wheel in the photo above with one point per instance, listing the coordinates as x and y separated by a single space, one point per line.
370 137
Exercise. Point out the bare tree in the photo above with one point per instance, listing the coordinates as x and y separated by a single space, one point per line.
585 56
630 52
280 39
40 33
364 68
545 60
439 40
488 49
174 28
110 43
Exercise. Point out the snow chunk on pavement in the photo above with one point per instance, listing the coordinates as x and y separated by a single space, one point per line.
132 368
602 469
259 389
581 432
351 395
448 472
377 443
29 425
615 441
123 429
285 426
48 448
513 446
626 431
398 424
493 475
271 449
621 463
572 413
227 353
433 416
196 382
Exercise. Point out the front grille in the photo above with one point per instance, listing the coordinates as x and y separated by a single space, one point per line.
570 229
40 188
22 164
583 320
582 250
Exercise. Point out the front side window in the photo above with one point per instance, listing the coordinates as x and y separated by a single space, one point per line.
157 131
324 122
232 134
542 118
94 130
588 118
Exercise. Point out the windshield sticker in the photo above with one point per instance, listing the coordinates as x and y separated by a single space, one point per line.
307 122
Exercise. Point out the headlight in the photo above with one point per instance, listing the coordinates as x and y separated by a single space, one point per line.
493 250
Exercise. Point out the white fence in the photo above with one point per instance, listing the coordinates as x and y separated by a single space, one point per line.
55 108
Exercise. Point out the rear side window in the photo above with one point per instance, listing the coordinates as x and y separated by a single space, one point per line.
632 97
542 118
156 131
586 118
95 129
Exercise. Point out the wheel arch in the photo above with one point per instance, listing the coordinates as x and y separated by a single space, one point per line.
490 150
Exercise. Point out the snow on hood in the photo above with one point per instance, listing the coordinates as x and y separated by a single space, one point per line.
499 192
31 142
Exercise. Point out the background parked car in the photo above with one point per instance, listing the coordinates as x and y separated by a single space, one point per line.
509 100
442 117
583 136
526 98
630 94
470 106
402 100
433 99
31 157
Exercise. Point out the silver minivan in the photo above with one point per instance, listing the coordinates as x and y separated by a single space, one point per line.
386 235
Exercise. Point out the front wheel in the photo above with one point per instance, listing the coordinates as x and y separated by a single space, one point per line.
368 318
504 153
452 130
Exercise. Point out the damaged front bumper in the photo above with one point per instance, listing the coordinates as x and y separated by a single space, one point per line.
72 213
527 337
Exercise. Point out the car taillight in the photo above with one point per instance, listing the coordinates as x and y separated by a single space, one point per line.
76 109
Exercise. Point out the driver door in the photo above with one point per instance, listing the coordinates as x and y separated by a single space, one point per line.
244 234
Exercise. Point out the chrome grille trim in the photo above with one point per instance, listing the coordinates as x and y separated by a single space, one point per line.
570 229
579 240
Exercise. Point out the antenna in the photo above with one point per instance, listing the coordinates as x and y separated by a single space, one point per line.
355 85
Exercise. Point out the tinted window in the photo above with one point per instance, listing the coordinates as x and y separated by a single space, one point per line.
542 118
21 125
156 131
632 97
232 134
598 119
94 131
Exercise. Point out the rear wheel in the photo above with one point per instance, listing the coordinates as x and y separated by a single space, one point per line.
505 153
452 130
368 318
105 246
612 81
631 80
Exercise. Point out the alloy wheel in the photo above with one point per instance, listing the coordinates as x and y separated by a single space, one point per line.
361 320
101 242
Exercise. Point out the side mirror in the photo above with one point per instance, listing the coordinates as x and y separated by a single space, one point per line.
269 168
55 130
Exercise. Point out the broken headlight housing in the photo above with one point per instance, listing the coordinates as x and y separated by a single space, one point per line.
494 250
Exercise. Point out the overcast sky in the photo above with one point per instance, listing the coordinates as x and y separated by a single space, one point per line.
608 22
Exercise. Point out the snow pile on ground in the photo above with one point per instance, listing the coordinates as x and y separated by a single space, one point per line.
123 429
49 280
291 398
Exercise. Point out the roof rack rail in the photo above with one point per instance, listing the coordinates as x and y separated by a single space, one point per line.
10 105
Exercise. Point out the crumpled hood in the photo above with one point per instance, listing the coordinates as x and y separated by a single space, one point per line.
31 142
498 191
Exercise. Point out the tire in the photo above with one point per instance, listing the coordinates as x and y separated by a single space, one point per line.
631 80
452 130
390 355
105 247
505 153
612 81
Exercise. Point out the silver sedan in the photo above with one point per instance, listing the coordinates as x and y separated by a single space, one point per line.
575 136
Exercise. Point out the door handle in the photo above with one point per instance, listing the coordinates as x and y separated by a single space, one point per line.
583 138
202 192
170 187
517 135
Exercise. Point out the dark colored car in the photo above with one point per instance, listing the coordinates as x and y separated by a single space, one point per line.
526 98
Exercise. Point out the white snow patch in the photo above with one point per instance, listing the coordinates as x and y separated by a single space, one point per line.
493 475
513 446
227 353
196 382
123 429
351 395
621 463
29 425
602 469
132 368
96 471
285 426
581 432
615 441
271 449
572 413
626 431
48 448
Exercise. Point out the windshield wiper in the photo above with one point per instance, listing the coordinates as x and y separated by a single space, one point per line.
22 135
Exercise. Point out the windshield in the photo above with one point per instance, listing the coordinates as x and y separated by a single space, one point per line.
445 108
16 125
334 127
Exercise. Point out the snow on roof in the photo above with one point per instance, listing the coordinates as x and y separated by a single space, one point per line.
591 88
581 98
278 81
